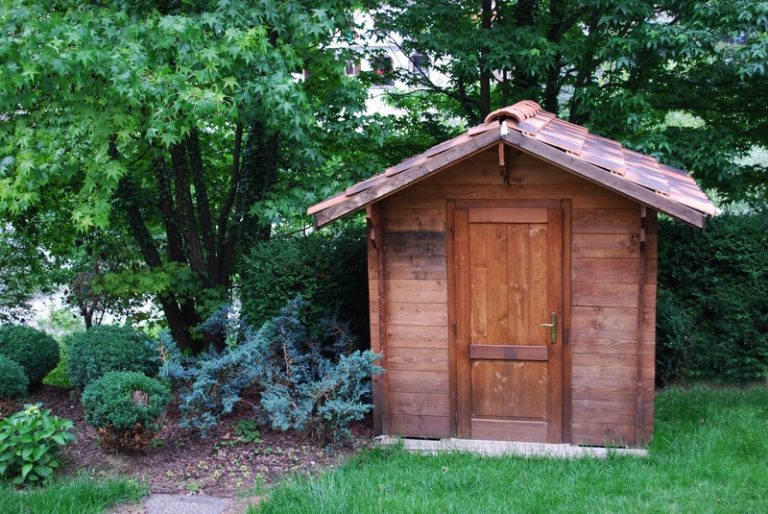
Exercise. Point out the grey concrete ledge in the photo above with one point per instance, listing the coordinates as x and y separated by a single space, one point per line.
507 448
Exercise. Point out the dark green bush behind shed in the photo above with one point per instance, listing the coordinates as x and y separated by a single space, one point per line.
328 268
713 300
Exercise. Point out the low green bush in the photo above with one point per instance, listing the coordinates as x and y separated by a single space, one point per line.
36 351
327 268
29 441
13 380
713 300
123 407
102 349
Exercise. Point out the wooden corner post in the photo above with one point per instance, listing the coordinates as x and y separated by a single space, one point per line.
377 308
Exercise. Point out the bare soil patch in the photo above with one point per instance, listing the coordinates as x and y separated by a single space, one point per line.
181 461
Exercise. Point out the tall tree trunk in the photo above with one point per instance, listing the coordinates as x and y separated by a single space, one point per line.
554 34
202 203
129 201
485 67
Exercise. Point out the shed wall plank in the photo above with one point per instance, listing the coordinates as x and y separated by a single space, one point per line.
605 266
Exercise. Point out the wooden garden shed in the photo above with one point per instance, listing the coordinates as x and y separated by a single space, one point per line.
512 277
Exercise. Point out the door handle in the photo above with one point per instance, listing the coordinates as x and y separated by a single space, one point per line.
552 328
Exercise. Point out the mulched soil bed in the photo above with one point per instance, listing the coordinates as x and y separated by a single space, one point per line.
183 462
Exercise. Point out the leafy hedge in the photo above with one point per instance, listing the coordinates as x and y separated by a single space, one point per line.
106 348
35 351
13 380
328 269
713 300
123 407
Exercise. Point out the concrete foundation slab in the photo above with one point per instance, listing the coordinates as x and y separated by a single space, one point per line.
508 448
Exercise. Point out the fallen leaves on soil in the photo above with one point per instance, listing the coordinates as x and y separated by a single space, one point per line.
179 461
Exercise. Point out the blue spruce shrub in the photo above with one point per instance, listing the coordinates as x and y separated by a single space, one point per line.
309 378
305 378
210 385
106 348
35 351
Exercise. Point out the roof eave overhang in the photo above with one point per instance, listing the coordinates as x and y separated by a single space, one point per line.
408 177
606 179
547 153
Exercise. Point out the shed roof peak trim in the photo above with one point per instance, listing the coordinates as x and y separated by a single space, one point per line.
520 111
540 133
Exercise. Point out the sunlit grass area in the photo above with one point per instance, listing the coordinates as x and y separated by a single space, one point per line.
81 495
709 454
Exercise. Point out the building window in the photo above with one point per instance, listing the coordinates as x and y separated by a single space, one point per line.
420 64
352 68
382 68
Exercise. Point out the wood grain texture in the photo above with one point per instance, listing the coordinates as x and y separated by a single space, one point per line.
418 359
605 221
420 404
508 352
415 220
418 381
377 298
506 430
501 215
567 352
419 426
416 336
509 389
605 267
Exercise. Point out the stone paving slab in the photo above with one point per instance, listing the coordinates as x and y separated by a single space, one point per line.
180 504
183 504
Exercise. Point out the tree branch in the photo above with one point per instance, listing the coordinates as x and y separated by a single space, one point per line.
229 201
186 210
201 198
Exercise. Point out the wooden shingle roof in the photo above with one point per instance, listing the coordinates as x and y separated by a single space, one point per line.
528 128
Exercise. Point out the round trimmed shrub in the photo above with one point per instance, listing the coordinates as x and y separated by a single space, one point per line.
13 380
123 407
106 348
35 351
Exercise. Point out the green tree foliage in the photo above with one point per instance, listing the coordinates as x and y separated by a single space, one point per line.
24 271
618 66
713 300
171 123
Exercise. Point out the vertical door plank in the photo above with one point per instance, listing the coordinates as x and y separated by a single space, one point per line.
463 322
498 306
540 312
554 304
519 288
565 300
478 265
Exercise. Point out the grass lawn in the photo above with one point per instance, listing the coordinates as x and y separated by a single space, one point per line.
81 495
709 454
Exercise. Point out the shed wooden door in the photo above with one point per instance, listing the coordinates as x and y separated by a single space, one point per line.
508 285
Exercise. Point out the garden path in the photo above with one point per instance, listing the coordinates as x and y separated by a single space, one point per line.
185 504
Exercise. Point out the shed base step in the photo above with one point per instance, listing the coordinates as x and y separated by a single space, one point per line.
507 448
